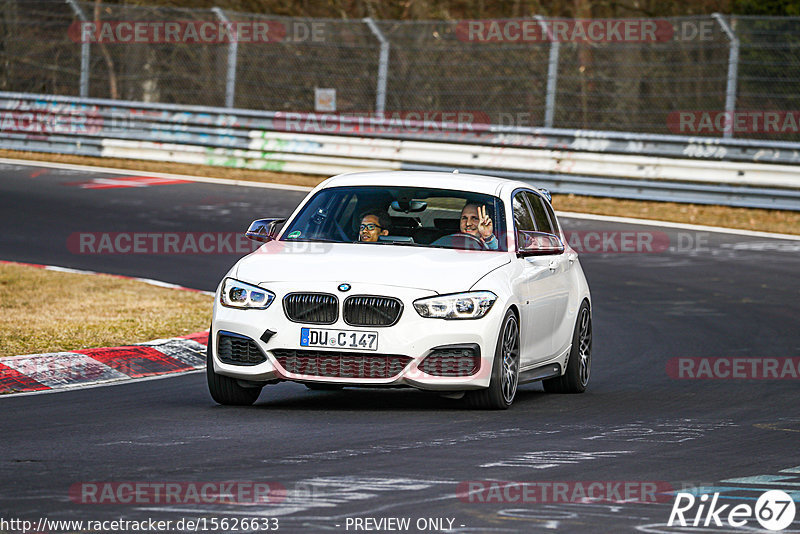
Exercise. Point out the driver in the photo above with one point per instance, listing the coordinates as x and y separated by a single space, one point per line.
475 221
374 223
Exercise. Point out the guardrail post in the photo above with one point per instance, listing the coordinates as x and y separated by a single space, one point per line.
383 65
233 51
733 67
84 83
552 74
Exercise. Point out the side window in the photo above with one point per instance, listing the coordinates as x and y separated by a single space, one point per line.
522 216
539 214
552 215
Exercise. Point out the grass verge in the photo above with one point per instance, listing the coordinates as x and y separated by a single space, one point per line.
50 311
785 222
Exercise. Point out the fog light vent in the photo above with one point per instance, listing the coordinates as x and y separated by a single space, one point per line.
238 350
453 360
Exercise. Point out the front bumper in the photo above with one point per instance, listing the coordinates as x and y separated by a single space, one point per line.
411 336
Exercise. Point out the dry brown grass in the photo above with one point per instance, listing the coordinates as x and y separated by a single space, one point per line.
48 311
787 222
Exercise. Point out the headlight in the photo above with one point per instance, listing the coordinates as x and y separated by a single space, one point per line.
473 305
236 294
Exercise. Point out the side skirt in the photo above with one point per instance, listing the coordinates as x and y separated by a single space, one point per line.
542 372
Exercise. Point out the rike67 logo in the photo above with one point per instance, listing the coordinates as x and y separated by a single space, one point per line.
774 510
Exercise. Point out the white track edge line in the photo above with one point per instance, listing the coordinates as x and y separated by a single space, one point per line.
150 281
670 224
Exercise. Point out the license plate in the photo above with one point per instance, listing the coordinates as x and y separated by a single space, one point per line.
338 339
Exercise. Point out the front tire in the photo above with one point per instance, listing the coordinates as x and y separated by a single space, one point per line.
505 370
224 389
579 365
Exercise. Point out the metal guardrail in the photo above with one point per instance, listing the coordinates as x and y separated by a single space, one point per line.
752 173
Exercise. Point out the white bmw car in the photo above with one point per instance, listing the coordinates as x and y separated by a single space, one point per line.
455 283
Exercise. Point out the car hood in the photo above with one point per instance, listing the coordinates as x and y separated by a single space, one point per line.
434 269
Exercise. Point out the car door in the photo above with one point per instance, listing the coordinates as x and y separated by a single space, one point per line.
538 285
559 266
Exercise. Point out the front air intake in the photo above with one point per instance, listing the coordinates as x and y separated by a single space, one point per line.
340 364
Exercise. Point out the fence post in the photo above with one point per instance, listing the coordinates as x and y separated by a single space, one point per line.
383 65
733 67
552 74
233 50
84 83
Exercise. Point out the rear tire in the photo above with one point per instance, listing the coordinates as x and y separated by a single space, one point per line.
505 370
579 364
224 389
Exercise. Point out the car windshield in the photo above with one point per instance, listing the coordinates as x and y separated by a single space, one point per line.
407 216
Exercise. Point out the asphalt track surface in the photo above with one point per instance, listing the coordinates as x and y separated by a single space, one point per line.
378 454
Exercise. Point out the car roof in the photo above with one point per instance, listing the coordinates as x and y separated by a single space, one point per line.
476 183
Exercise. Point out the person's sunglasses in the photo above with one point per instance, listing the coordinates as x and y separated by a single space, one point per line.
369 227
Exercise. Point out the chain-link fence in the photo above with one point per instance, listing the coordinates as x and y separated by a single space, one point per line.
708 76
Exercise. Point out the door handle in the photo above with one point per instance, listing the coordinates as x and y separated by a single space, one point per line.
553 264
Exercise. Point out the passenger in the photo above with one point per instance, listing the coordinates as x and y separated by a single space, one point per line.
475 221
374 223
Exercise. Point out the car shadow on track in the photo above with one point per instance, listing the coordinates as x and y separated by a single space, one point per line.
377 399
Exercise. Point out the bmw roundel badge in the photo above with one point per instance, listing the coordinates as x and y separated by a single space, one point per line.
344 287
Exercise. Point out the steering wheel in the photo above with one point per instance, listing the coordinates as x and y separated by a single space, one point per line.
462 241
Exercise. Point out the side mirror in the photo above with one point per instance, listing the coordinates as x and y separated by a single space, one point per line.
538 243
264 229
